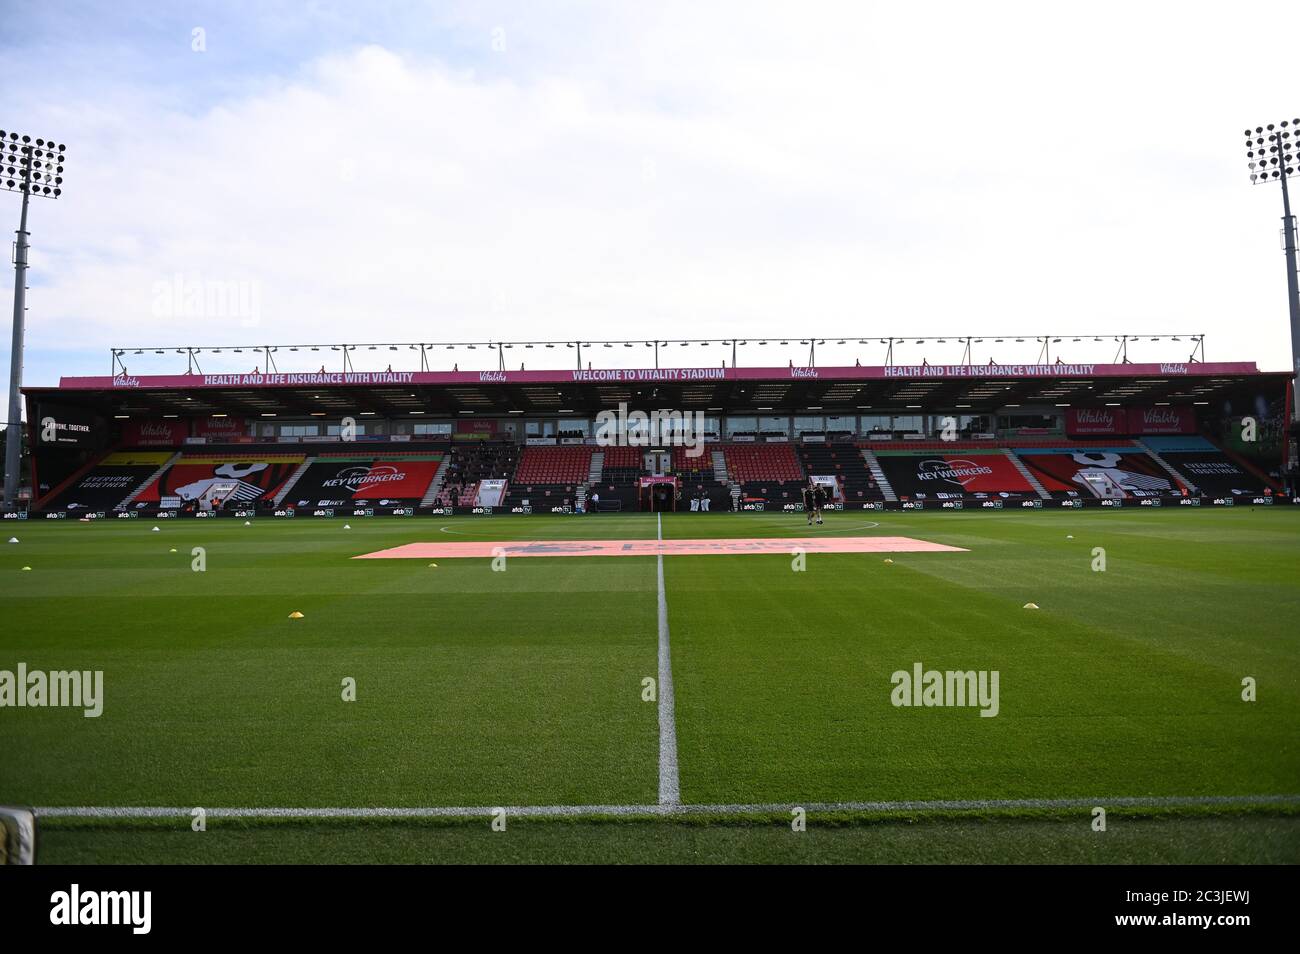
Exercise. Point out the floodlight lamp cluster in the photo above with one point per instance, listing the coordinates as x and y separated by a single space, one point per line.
1271 150
34 166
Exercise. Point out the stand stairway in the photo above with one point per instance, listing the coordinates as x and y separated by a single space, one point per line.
147 482
1028 474
878 472
293 479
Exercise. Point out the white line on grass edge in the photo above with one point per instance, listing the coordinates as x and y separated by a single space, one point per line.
670 790
675 810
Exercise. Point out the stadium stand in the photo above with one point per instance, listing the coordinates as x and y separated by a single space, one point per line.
694 470
1120 470
549 477
541 496
383 479
843 460
395 475
1065 468
554 465
468 463
699 480
751 462
205 478
617 487
103 486
1212 470
952 474
768 471
623 465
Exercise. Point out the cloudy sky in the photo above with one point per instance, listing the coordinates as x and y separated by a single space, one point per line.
266 172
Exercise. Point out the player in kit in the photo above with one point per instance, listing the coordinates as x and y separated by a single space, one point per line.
809 502
819 500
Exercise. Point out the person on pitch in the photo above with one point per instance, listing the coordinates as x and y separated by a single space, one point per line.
819 500
809 502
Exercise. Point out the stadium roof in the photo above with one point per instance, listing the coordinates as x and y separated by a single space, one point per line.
894 388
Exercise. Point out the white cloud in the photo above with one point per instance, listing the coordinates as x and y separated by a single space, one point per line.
687 171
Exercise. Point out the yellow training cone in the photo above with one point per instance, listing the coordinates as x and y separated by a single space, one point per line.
295 615
433 564
887 560
27 568
1031 606
172 550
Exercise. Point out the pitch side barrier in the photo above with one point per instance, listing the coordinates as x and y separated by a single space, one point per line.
1036 504
310 513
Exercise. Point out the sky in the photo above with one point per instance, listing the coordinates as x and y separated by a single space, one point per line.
274 173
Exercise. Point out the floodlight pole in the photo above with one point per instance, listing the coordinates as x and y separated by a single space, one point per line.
1292 286
14 430
1279 146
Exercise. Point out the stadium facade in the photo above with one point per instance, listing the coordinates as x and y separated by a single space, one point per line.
404 443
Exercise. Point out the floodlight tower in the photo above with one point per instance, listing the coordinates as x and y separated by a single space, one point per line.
1272 151
28 168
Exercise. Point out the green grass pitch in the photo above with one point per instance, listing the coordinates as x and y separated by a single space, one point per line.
525 687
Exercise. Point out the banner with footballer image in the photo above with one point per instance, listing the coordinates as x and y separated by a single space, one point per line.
1100 472
232 479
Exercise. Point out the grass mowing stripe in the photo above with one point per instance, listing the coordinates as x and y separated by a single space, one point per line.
680 810
670 789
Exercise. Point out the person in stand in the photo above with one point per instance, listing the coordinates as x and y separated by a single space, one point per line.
595 502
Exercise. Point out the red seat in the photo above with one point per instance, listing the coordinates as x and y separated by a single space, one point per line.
554 465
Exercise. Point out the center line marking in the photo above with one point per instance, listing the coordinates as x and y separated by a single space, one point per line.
670 790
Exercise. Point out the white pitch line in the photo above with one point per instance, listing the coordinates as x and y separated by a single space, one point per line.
676 810
805 529
670 789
